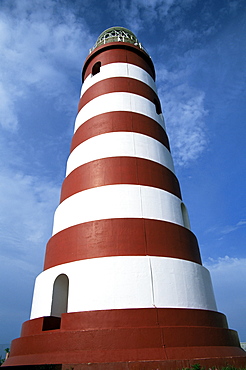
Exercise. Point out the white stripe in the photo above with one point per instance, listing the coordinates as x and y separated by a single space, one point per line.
118 101
119 70
127 282
119 144
118 201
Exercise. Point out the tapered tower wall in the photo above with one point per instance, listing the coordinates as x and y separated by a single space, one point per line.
121 182
123 278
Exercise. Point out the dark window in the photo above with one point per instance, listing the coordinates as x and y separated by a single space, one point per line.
157 106
96 68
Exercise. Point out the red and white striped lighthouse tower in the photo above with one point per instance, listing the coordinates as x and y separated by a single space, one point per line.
123 280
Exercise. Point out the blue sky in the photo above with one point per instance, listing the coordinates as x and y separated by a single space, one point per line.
198 48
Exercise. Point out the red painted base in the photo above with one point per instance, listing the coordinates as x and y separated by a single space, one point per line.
205 363
137 336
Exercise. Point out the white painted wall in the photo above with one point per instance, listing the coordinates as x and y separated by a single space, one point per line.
118 101
118 201
119 70
127 282
118 144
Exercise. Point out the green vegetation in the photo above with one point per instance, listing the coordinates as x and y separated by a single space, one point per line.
3 359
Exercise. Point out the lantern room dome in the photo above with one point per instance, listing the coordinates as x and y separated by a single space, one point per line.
117 34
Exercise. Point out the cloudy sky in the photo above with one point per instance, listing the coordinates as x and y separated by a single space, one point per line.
198 48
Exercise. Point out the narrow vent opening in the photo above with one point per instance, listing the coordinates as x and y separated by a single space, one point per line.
157 106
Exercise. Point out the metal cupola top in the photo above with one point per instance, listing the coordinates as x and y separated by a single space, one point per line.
117 34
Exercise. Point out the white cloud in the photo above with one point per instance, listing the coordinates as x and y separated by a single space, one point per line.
184 111
8 116
139 13
228 278
27 204
36 41
227 229
230 228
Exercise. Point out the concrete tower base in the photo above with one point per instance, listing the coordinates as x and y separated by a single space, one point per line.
127 339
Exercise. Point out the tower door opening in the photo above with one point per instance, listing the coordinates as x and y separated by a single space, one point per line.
60 295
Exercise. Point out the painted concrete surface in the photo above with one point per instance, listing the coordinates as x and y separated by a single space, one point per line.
118 144
118 101
127 282
119 70
118 201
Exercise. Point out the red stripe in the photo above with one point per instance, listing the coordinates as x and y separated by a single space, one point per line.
116 52
121 237
119 121
118 84
119 170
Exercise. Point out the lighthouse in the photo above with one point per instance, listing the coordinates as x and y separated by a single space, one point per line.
123 281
